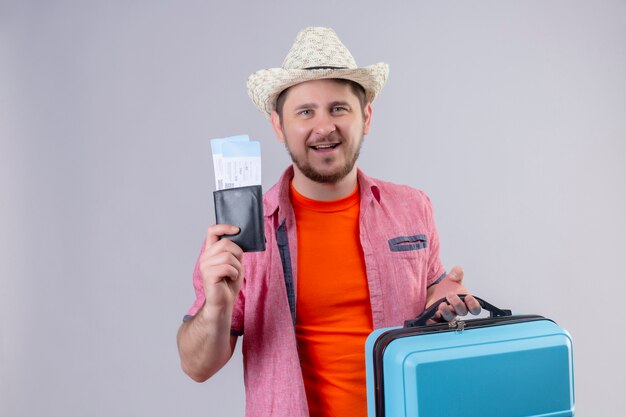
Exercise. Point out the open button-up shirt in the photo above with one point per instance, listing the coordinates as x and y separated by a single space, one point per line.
401 249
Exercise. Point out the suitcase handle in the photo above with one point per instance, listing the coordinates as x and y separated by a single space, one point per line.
430 312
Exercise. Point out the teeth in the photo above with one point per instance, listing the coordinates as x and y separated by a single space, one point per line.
319 147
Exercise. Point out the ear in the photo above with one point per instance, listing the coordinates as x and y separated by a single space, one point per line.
276 125
367 118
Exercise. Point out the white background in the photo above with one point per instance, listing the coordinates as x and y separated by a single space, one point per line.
511 115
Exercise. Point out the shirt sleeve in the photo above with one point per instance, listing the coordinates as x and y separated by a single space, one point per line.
236 327
436 270
198 289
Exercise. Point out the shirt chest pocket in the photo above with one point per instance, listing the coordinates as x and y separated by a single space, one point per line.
408 243
407 261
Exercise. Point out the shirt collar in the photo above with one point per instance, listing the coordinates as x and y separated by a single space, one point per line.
277 197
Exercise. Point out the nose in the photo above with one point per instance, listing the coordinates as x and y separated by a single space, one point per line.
325 125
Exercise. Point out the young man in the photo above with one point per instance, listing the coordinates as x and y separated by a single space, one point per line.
345 253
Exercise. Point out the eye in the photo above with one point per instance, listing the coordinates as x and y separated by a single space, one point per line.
305 112
338 109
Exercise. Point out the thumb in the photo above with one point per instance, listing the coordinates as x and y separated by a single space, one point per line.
214 232
456 274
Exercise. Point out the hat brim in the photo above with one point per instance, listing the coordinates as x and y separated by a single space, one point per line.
265 86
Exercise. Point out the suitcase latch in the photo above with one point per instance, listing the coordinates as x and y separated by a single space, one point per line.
459 325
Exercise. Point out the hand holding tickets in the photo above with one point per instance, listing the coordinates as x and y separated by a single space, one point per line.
239 197
237 162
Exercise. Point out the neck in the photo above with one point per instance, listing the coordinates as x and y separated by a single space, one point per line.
324 191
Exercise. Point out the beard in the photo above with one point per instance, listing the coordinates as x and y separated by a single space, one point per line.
326 177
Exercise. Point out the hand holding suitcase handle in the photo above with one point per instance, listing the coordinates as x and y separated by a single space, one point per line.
430 312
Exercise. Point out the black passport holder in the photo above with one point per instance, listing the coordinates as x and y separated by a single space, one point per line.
242 207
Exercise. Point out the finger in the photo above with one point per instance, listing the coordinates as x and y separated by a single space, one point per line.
457 304
456 274
472 304
435 318
222 258
223 245
446 312
214 288
214 232
217 273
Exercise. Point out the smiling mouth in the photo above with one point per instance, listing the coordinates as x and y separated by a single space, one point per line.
324 147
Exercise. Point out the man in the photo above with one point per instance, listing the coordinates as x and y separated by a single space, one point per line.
345 253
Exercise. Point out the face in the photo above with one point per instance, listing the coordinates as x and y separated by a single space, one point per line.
322 127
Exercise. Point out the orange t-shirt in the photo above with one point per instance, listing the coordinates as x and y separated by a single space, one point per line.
333 312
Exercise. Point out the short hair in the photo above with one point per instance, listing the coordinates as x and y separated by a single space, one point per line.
356 88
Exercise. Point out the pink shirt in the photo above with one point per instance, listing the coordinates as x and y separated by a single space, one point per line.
401 249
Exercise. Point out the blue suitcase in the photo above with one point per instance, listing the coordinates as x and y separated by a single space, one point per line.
503 365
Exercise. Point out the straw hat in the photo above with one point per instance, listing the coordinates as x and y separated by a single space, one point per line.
316 54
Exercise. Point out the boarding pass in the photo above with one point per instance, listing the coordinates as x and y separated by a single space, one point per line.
237 162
